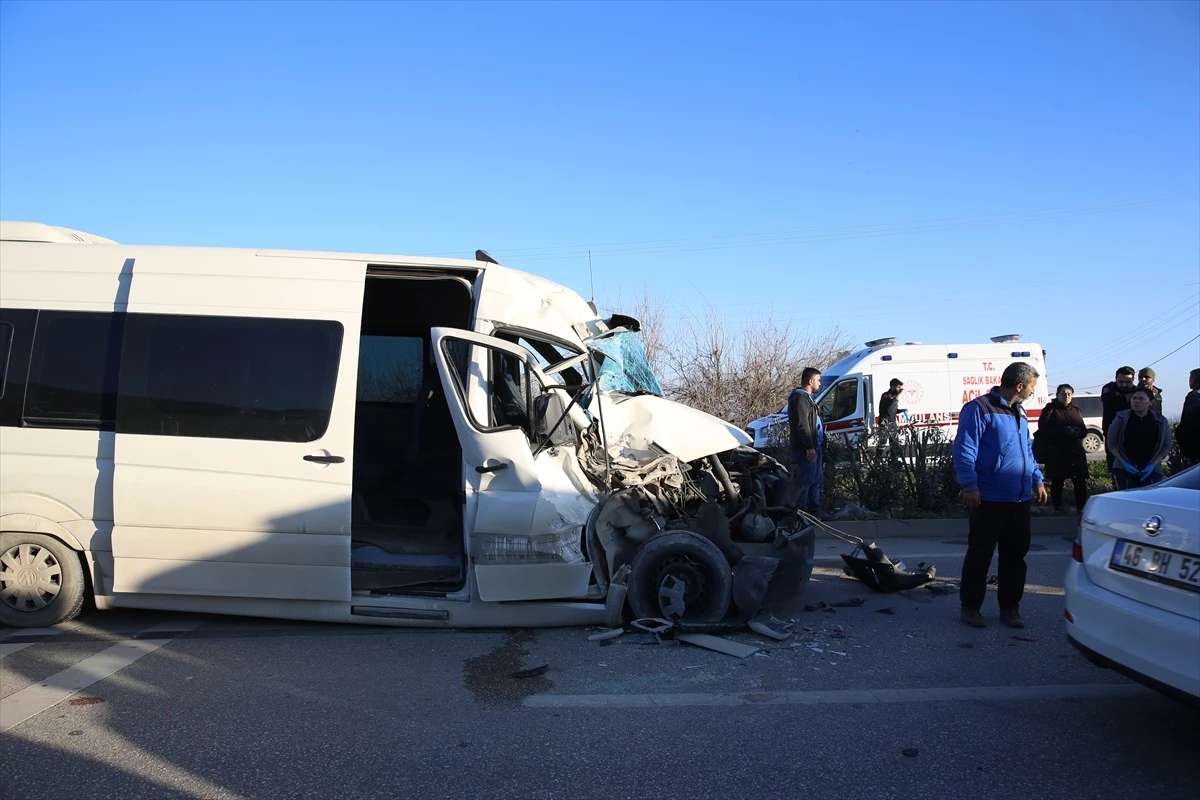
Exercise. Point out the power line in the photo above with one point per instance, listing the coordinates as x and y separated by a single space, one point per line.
1123 342
1155 361
1176 350
1139 341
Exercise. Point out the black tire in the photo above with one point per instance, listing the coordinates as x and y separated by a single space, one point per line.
691 558
41 581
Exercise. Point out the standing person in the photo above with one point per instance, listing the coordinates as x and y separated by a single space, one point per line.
889 402
1114 398
889 410
994 464
1146 381
805 443
1188 432
1139 440
1061 423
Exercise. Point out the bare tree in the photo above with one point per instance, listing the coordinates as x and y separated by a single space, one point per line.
736 372
745 373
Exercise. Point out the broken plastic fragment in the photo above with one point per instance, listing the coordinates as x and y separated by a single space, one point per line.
773 628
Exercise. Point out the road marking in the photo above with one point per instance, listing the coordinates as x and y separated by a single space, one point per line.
33 700
41 634
1086 691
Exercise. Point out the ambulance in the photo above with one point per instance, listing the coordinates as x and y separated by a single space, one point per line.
939 379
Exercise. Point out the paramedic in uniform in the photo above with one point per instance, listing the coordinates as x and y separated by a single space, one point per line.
994 464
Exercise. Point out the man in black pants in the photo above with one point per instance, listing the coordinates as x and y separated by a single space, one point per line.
994 464
889 409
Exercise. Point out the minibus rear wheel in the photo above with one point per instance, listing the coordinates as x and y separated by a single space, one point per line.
41 580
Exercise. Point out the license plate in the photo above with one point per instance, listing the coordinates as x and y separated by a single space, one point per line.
1156 564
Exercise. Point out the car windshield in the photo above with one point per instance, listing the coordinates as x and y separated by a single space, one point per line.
623 365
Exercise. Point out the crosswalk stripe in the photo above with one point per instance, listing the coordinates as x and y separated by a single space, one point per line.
42 634
33 700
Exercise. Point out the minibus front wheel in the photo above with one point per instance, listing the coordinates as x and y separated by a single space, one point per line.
41 580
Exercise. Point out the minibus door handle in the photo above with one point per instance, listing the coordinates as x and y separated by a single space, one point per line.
325 459
492 466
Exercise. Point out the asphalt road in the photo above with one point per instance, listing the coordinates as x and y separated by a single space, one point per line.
225 707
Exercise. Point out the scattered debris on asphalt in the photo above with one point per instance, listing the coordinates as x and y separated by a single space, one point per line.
718 644
772 628
608 634
850 602
889 610
531 673
1025 638
911 752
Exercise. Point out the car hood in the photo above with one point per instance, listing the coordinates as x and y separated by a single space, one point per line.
682 431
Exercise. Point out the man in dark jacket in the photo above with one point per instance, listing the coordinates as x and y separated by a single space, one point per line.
889 410
1188 432
889 403
994 464
1146 381
1114 398
805 441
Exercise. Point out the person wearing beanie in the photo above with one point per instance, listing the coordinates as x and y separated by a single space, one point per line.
1146 381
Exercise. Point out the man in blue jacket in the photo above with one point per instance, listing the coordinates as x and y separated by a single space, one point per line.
993 460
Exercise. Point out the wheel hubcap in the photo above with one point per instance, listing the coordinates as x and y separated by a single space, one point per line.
30 577
695 581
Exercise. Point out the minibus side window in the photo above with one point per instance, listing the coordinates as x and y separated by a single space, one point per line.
391 369
228 377
73 375
6 337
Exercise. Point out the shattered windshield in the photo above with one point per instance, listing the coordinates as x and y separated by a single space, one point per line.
623 365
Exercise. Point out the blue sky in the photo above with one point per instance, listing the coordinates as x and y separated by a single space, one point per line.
936 172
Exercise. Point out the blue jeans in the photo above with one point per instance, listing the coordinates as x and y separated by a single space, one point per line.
1128 480
807 477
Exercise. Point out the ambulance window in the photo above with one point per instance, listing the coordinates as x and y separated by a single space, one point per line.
840 401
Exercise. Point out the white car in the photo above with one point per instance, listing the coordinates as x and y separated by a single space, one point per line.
1093 418
1133 588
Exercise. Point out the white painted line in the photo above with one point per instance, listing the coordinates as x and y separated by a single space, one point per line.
8 648
57 629
843 697
33 700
